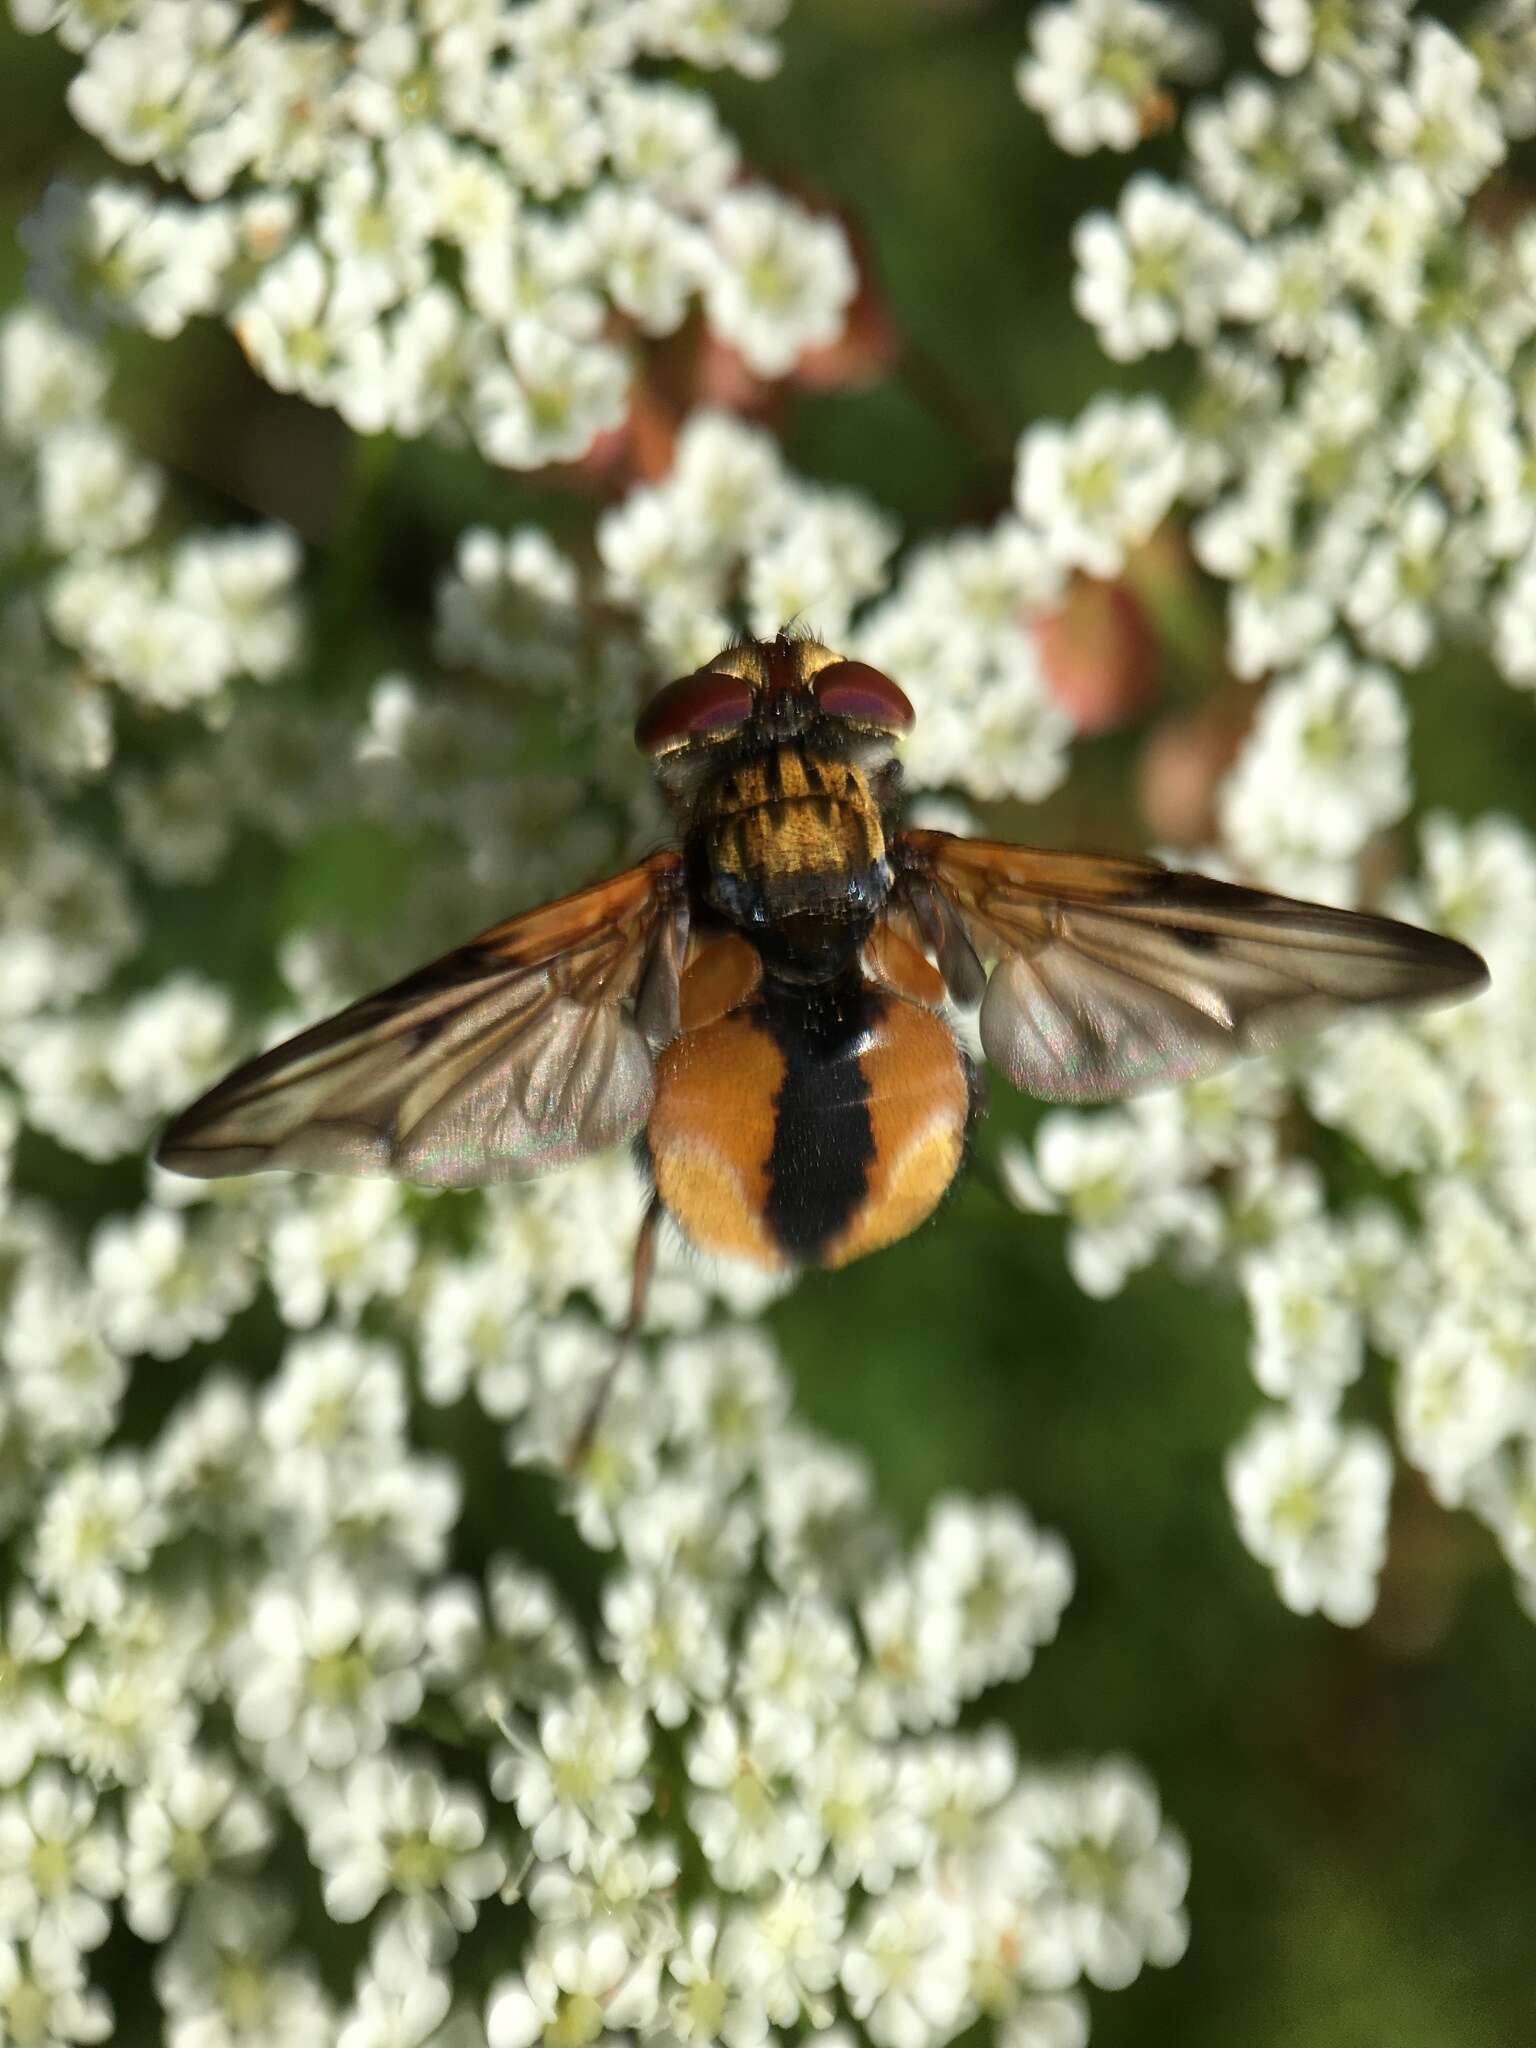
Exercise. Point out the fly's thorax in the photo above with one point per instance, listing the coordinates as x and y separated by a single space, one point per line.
790 845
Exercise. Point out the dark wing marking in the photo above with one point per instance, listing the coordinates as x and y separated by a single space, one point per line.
1113 974
517 1054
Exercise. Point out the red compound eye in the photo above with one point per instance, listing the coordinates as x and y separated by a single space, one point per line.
861 694
697 707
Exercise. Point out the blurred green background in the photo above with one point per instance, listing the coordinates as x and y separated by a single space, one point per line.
1359 1805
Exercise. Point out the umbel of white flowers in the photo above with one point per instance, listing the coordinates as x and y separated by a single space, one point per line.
767 1698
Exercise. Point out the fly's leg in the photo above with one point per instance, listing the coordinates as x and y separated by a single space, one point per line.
639 1288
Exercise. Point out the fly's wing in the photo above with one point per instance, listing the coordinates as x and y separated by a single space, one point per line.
1111 975
519 1053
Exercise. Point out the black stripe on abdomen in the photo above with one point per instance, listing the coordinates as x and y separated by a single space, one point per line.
823 1137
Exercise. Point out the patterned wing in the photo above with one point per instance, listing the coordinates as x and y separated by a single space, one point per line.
1111 975
524 1050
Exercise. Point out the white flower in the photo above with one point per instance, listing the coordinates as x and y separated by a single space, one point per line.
473 1331
548 398
1286 589
580 1785
736 35
162 1285
546 132
123 1708
904 1970
537 276
193 1817
913 1678
45 1993
652 261
59 1862
1479 883
149 86
798 1661
68 923
1307 1339
830 554
1439 120
63 1067
1324 766
1346 46
1379 236
374 225
171 1043
574 1986
1259 153
302 335
793 1935
667 140
1504 49
50 378
683 1526
1425 569
436 354
347 1245
778 281
335 1391
1009 1581
67 1380
321 1670
666 1644
851 1791
244 581
227 1978
1311 1502
728 1394
619 1464
1377 1080
750 1820
1100 487
956 1785
1117 1872
532 1649
1156 271
1096 69
1022 1967
398 2000
1292 291
717 1997
160 650
94 495
97 1524
382 1827
1460 1394
1118 1195
1503 1494
30 1641
630 1883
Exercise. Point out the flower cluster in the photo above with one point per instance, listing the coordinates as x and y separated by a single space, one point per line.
733 1797
1362 422
462 219
1442 1108
1356 449
263 1673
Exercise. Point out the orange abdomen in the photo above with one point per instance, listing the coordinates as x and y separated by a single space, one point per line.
809 1126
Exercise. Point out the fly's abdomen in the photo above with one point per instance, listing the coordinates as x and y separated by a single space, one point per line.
808 1129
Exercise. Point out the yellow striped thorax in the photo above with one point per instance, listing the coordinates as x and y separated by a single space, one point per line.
792 835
